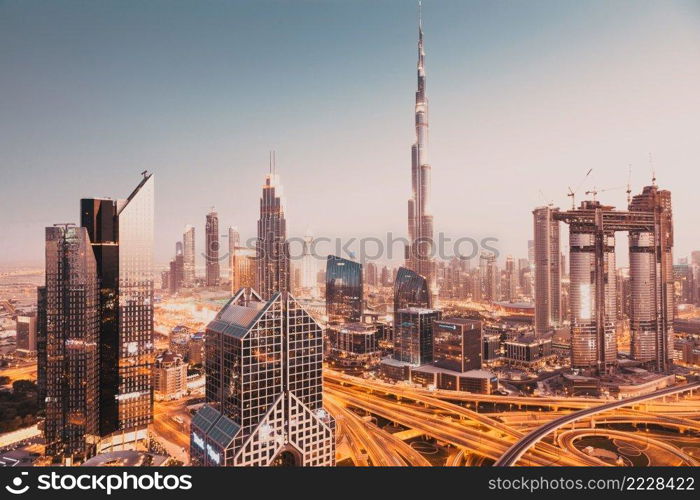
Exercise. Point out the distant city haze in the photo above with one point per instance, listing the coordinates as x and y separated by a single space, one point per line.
525 98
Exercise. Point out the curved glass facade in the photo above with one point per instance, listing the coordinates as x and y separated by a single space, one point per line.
410 290
344 288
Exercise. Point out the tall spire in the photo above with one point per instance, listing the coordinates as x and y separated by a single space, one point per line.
420 221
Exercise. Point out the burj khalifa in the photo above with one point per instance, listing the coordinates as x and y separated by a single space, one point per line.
419 252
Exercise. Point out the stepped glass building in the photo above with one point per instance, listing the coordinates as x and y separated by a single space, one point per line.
272 248
264 387
121 235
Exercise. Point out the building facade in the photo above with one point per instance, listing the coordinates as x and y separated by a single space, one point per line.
121 236
273 270
188 253
71 379
548 271
264 387
344 290
169 376
413 335
457 344
211 249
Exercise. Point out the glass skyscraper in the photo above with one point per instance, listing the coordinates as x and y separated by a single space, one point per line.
413 335
264 387
70 356
121 236
411 290
344 290
211 249
273 272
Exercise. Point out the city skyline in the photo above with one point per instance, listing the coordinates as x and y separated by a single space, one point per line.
244 350
485 91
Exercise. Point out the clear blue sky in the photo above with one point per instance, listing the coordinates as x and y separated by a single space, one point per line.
525 96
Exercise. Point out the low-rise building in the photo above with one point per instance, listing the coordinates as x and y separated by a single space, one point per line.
169 376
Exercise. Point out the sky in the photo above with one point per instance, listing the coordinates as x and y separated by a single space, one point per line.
525 97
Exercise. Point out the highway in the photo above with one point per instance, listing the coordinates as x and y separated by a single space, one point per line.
516 451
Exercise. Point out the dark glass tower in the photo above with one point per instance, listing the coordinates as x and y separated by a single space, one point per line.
411 290
413 335
213 272
264 387
272 248
70 372
121 234
344 290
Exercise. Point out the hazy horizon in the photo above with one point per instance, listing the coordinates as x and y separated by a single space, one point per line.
524 99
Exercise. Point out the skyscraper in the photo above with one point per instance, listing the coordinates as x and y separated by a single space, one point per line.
413 334
273 272
309 267
188 256
244 264
371 274
411 290
71 359
489 277
419 252
211 249
177 269
264 387
344 290
121 235
548 272
593 286
651 280
234 241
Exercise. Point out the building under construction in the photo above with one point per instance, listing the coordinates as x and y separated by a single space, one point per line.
592 230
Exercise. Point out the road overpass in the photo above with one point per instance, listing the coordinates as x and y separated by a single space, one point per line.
515 452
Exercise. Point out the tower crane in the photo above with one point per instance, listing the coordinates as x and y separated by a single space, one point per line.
572 192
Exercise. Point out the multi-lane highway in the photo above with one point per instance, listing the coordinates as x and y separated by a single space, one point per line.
518 449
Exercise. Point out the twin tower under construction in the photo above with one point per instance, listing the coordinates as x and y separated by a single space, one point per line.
593 288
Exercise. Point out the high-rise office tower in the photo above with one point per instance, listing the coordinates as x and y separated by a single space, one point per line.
264 387
510 288
344 290
211 249
176 277
71 359
548 272
419 252
273 273
26 333
411 290
309 268
695 265
188 256
413 334
651 279
121 235
41 345
385 277
371 275
489 277
457 344
234 241
244 268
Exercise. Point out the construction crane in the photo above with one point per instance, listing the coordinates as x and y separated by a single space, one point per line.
548 201
595 191
572 192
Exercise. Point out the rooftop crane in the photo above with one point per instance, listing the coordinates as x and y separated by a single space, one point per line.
572 192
